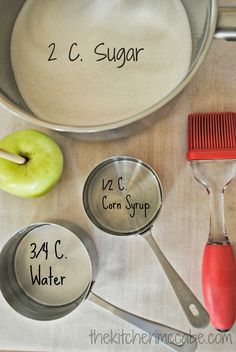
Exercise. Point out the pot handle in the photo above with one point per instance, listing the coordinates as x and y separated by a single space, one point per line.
175 340
226 24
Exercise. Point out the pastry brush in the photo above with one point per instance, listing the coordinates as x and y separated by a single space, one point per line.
212 155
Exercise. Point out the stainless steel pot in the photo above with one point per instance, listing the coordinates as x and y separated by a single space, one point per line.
206 20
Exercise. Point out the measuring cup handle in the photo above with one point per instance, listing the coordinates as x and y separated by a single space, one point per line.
174 339
194 310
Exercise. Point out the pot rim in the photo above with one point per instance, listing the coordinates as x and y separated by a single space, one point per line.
29 117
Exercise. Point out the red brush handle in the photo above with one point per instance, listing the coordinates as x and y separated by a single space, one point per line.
219 285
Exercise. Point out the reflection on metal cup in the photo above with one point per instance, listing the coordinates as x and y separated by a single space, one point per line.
45 271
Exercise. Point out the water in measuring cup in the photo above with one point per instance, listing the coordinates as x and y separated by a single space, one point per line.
52 265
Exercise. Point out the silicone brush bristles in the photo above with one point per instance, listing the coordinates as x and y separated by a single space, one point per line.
211 136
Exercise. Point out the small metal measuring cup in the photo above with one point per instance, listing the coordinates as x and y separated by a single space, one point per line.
28 245
123 196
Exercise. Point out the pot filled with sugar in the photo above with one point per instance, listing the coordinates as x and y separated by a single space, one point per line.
102 69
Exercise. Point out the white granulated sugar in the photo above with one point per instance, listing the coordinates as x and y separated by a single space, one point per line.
90 92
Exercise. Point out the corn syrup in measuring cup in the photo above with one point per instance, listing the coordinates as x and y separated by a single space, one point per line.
122 196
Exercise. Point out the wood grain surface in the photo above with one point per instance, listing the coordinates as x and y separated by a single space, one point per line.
129 274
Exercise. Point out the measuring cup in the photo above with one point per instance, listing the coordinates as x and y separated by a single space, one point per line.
123 196
46 248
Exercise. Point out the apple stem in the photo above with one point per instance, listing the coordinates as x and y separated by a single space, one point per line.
12 157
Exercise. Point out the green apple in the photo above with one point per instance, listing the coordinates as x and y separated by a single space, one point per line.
42 169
